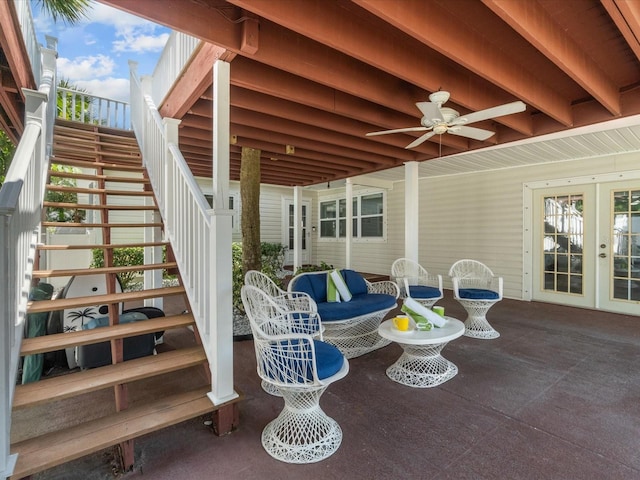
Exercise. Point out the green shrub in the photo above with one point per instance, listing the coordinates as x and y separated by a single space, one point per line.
272 263
314 268
123 257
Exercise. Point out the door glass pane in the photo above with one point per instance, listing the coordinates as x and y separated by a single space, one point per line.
562 243
625 244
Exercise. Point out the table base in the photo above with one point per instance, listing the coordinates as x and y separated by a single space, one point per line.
422 366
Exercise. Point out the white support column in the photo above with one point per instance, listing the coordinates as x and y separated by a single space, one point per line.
348 222
297 230
411 214
221 327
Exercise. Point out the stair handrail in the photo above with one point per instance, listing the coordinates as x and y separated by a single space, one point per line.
189 224
21 198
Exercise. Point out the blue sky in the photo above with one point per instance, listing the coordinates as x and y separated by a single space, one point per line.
94 53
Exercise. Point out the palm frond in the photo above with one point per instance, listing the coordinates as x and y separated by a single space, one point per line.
69 11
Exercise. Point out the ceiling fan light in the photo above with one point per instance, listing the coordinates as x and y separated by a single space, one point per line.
439 97
440 129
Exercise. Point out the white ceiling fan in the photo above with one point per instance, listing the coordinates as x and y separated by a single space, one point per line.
437 119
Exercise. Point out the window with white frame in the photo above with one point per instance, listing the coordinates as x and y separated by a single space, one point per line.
368 217
234 206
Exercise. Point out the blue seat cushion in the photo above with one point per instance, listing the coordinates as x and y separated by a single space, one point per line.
329 360
478 294
422 291
358 305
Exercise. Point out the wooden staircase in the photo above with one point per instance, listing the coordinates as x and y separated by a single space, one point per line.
59 419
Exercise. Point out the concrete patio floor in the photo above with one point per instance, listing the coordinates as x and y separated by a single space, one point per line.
555 397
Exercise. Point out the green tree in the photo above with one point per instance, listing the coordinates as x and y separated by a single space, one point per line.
65 107
7 149
69 11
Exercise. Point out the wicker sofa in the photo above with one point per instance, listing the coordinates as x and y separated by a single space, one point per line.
351 326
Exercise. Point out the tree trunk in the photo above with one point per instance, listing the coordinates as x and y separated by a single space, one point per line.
250 199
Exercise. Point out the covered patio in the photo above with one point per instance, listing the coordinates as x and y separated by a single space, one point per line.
551 398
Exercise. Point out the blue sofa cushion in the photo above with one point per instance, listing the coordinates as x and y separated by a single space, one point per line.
358 305
315 285
329 360
478 294
354 281
422 291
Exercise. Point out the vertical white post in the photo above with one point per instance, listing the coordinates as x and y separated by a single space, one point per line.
411 217
297 227
348 222
220 336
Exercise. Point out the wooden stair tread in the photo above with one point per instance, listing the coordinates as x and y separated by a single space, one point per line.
100 225
106 178
104 165
49 450
81 206
72 384
62 188
105 270
64 303
102 246
59 341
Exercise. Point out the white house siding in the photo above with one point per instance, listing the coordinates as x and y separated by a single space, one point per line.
475 215
271 203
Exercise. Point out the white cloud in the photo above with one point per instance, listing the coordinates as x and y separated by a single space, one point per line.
112 88
140 43
83 68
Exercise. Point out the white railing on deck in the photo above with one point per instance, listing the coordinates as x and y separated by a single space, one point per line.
85 107
175 56
25 20
21 199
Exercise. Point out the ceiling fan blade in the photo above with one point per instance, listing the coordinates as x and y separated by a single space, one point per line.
506 109
430 110
421 139
397 130
471 132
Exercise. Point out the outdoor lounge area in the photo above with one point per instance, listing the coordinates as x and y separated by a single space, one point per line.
548 399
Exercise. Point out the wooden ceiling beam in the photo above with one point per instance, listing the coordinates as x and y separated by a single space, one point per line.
534 24
288 127
320 20
626 16
434 26
279 84
259 102
188 88
345 156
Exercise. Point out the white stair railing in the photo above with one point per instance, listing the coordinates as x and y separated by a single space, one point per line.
21 199
189 224
85 107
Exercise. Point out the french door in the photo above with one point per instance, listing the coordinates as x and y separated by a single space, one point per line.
586 245
289 228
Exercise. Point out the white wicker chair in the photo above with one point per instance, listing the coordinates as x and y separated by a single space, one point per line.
301 367
477 290
288 300
424 287
259 303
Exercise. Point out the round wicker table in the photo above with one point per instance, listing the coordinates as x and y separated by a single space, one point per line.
421 364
